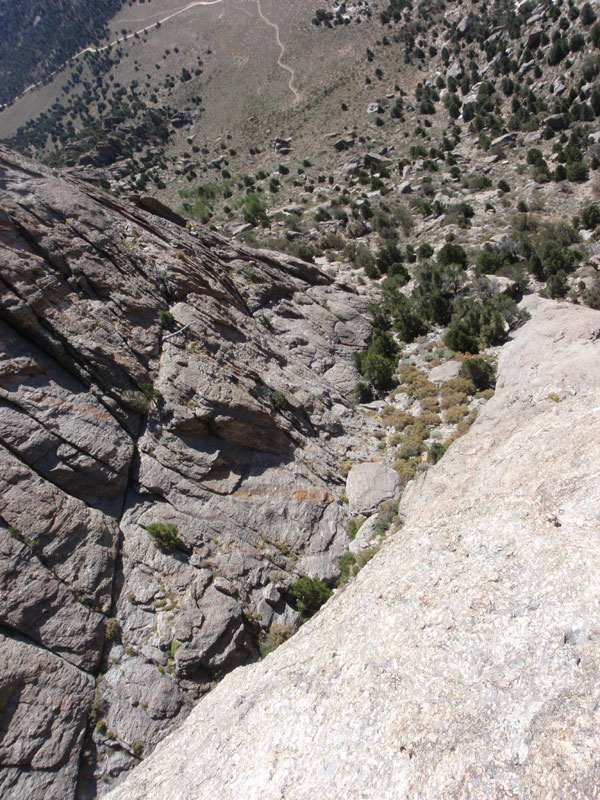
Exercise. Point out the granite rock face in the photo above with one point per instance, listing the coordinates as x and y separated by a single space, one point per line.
464 660
152 374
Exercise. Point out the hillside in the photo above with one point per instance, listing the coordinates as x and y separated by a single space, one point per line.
39 36
458 120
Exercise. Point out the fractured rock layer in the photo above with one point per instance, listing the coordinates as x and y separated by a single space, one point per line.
151 374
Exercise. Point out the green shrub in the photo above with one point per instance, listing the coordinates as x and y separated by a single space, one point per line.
535 156
405 314
360 256
552 255
491 259
378 362
424 251
309 594
347 567
591 294
165 317
556 285
354 526
590 216
480 372
377 368
363 393
253 209
588 15
164 535
279 401
577 42
389 260
577 172
452 254
436 451
461 338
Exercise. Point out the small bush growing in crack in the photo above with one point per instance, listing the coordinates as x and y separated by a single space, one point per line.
141 399
271 639
166 318
164 535
279 401
112 630
348 568
137 748
354 526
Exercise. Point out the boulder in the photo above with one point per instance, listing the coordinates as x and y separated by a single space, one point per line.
556 121
343 144
445 372
365 534
376 160
154 206
534 38
503 285
526 66
505 139
368 485
185 118
351 167
464 25
455 71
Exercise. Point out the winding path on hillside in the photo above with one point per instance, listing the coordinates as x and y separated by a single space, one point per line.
281 54
172 15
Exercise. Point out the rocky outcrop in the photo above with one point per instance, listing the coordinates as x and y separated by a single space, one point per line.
465 658
151 374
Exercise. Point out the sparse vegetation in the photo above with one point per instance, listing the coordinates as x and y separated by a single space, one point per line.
164 535
273 638
279 401
308 595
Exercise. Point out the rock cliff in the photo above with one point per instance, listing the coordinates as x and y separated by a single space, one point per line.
152 375
464 661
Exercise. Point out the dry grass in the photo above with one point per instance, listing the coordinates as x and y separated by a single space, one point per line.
392 417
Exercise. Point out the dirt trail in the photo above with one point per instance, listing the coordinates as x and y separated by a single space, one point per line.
281 54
